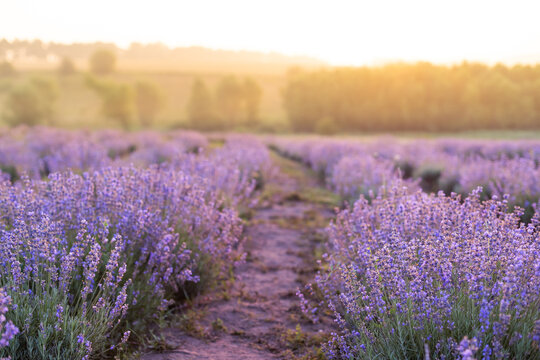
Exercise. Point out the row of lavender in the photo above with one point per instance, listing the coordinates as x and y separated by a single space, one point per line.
121 228
411 273
37 152
353 168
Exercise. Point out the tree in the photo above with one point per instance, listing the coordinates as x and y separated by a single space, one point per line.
200 107
67 67
252 97
148 100
229 101
418 96
117 100
102 62
32 103
7 69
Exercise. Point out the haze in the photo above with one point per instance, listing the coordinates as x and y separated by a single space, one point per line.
340 32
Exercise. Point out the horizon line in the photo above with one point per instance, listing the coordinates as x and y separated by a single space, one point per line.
512 61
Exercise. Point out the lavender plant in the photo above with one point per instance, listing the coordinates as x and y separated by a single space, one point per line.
451 165
516 177
415 271
37 152
362 175
88 257
7 329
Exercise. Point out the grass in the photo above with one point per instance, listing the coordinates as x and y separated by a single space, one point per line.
413 135
309 190
303 346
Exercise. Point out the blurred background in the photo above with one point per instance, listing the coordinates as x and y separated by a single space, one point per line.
340 67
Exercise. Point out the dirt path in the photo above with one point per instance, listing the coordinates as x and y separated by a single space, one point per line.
258 316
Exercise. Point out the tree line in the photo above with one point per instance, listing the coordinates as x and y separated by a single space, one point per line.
40 50
33 101
417 97
234 104
420 97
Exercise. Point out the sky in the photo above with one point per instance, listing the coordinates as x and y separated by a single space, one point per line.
339 32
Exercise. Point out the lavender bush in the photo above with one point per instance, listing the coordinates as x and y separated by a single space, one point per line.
106 247
89 255
410 272
7 329
451 165
38 152
516 177
363 175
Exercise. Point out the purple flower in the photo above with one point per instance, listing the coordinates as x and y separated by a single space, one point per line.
7 329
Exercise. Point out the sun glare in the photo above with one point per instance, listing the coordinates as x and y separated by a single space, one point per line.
339 32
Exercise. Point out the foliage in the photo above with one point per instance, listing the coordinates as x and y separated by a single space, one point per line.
418 96
149 100
200 108
66 67
234 105
102 62
118 100
252 94
32 103
228 102
236 102
7 69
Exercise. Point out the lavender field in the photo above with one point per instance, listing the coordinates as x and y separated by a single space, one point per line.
437 252
181 245
295 180
103 232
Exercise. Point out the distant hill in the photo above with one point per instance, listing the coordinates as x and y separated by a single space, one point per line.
152 57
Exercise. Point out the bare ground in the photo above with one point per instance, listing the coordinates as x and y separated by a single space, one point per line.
257 316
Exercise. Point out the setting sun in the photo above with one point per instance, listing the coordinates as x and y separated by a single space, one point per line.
339 32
